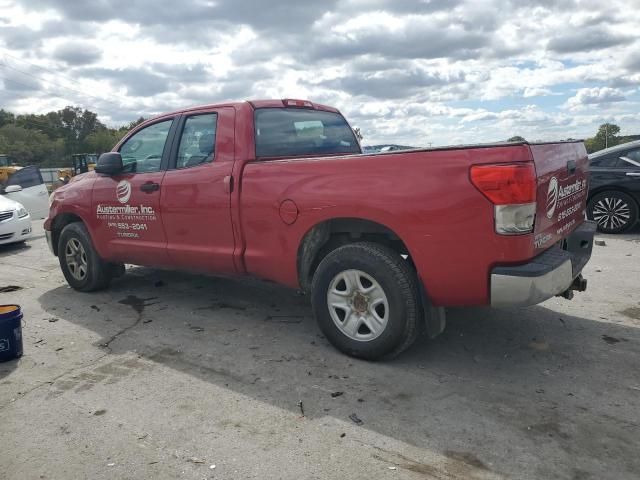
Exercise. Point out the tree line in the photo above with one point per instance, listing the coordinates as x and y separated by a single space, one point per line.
607 136
49 140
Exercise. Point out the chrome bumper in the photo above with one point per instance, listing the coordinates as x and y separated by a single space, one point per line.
547 275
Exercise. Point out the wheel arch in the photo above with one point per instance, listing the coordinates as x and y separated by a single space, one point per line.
57 225
330 234
612 188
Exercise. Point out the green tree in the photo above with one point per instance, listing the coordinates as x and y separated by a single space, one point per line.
607 136
26 146
516 138
103 140
6 117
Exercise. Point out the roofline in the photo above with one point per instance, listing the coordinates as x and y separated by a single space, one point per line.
255 104
615 148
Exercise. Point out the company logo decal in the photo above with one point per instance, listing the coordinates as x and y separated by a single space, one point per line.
123 191
552 197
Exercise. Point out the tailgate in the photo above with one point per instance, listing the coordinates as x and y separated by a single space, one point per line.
562 170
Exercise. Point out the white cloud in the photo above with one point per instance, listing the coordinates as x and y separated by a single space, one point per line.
595 96
410 72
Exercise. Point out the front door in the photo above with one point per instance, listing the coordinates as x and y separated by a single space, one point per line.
127 205
196 193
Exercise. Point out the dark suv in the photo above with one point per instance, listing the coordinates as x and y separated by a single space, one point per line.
614 189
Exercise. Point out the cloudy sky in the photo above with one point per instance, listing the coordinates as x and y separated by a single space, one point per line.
417 72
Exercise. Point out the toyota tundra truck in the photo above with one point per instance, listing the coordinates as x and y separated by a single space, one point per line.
382 243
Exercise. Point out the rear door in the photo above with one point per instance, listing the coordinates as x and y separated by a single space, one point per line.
562 170
33 195
196 192
127 205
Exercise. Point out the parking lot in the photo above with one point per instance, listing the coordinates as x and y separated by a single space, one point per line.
166 375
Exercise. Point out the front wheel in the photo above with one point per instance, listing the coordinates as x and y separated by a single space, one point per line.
365 299
613 211
81 265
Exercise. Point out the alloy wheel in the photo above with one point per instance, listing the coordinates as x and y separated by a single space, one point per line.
76 259
611 213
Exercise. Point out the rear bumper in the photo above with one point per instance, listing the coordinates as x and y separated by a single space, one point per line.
547 275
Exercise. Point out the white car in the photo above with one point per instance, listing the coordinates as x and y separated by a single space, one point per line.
15 221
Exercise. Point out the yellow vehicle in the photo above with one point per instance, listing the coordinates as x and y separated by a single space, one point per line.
6 169
82 163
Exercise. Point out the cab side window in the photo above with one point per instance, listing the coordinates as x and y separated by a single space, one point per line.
142 152
606 161
198 141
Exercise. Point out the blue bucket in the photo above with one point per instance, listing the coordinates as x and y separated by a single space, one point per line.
10 332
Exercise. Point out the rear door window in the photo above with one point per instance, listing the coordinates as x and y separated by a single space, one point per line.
287 132
198 141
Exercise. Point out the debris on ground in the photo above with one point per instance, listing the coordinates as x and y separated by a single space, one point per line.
196 460
59 348
284 318
301 407
102 411
148 320
601 243
539 345
336 394
342 435
52 319
610 340
196 328
212 466
95 307
10 288
355 419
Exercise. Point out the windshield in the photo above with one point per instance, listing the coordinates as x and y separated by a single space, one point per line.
287 132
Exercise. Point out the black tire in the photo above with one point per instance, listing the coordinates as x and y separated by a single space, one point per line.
98 272
613 211
398 282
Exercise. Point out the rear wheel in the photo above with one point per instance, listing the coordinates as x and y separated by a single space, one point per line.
365 299
81 265
613 211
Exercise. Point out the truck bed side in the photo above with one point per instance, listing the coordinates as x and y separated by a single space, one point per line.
424 196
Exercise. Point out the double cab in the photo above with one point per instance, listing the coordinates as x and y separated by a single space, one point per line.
280 190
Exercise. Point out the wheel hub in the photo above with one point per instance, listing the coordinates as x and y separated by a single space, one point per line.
358 305
360 302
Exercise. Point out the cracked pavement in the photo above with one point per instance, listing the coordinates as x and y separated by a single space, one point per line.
166 374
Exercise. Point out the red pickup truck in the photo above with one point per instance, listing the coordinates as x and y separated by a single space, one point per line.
280 190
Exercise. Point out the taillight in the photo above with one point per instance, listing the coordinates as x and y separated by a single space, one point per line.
505 184
512 189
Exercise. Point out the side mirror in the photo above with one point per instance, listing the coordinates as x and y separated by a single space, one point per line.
109 163
13 188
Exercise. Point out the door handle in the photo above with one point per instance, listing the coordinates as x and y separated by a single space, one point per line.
150 187
633 174
228 184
